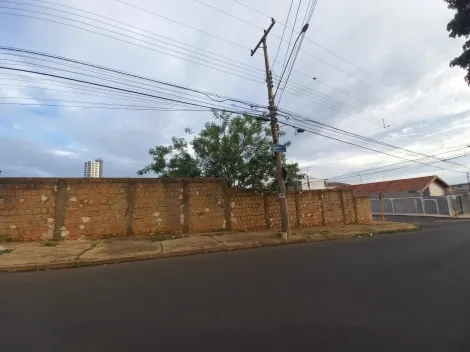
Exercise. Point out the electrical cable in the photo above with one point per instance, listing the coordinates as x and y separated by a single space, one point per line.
357 173
412 166
111 87
302 36
203 63
115 81
138 29
284 64
307 121
367 148
107 107
298 92
283 32
99 67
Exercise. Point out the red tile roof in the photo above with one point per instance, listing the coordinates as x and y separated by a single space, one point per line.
404 185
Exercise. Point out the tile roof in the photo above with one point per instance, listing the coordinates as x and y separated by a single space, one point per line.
404 185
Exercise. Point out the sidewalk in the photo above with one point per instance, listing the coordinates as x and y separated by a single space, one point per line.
23 256
417 215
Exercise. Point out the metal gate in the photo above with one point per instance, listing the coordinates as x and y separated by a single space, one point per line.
457 204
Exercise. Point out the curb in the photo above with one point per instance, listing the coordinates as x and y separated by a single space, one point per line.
77 263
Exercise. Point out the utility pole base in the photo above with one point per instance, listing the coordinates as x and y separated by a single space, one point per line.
283 235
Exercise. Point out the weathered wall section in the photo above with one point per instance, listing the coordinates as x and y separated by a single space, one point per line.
36 208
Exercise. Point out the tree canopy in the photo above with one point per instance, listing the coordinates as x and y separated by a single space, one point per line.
236 148
459 26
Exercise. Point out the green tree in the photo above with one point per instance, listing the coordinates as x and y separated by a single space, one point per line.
459 26
236 148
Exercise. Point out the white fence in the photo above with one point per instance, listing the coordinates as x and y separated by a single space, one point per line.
414 205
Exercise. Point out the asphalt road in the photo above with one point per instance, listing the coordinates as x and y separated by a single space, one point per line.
402 292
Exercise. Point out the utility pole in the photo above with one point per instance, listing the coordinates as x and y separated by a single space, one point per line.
275 133
468 180
308 179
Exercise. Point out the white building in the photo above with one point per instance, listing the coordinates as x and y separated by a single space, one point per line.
93 169
312 183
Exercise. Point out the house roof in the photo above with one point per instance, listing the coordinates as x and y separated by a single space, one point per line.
403 185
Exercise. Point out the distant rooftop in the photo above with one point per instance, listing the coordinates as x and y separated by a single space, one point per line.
402 185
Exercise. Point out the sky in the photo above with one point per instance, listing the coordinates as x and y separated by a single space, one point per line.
381 70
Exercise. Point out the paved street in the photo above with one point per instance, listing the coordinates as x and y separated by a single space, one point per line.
401 292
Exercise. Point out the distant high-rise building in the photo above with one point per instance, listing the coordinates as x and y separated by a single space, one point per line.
93 169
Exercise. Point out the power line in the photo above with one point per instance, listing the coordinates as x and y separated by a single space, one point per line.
119 72
334 54
80 91
150 44
111 87
114 81
204 62
385 164
367 171
292 29
139 29
182 24
299 93
225 40
99 73
413 166
156 14
255 10
207 94
307 121
315 43
136 108
363 147
284 66
297 90
228 14
302 35
90 18
283 31
323 100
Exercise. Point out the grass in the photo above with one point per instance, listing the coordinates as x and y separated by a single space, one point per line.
6 251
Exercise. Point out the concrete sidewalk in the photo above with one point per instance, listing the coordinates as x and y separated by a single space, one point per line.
53 255
417 215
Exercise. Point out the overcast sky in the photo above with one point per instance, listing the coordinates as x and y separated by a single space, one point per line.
391 67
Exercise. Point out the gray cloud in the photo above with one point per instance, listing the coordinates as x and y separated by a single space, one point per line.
392 40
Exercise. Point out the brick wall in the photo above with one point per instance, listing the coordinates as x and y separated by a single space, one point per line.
247 210
91 208
206 204
36 208
349 208
364 213
157 208
27 209
310 208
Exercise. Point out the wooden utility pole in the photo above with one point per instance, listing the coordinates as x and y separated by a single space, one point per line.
275 133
